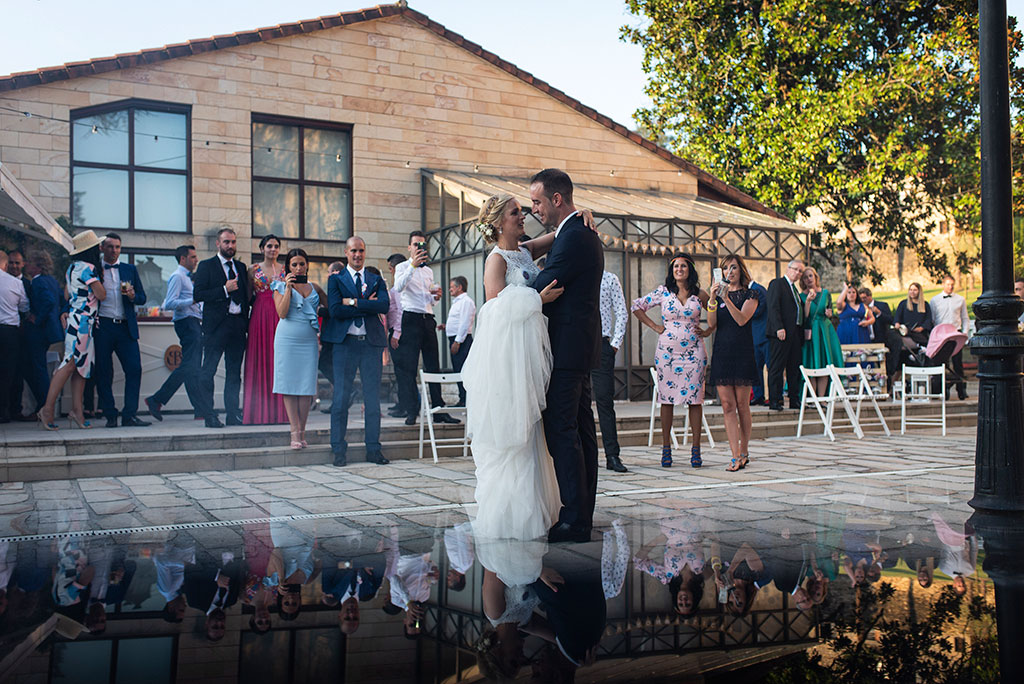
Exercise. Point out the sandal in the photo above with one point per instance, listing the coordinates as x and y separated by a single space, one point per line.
666 457
738 463
296 444
695 461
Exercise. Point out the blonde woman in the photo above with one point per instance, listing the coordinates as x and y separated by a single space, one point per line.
821 343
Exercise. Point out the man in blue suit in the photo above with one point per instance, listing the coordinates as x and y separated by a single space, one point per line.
355 299
42 327
117 332
758 326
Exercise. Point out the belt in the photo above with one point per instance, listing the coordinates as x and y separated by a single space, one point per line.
113 320
8 325
355 337
417 313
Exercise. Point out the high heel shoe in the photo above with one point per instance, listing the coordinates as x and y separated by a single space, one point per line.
296 444
46 425
303 441
73 422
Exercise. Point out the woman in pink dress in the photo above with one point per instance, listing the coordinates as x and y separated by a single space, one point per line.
680 359
262 406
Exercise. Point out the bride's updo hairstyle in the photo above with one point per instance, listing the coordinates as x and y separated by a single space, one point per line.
490 216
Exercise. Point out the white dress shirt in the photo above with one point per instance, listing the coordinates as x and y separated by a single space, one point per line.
233 306
358 325
113 305
13 299
613 304
460 318
559 229
415 285
458 543
950 309
410 581
394 317
179 296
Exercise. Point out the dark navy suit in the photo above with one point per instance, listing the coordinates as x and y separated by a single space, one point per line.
45 305
759 324
353 352
120 337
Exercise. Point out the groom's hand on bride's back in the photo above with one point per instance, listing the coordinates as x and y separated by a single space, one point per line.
550 293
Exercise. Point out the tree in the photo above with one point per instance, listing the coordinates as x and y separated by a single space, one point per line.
865 109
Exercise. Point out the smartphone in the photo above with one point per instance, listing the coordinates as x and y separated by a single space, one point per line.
717 275
422 246
301 279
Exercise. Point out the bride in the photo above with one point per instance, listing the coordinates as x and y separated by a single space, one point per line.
506 378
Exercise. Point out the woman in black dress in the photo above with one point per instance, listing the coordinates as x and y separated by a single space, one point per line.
733 371
913 320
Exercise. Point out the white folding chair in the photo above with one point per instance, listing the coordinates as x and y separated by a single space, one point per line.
825 405
917 386
686 420
857 376
427 413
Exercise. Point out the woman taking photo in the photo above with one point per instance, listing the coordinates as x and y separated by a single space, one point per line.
295 342
680 358
855 319
261 406
85 289
733 371
821 343
913 319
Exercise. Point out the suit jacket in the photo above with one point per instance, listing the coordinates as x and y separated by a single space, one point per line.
759 322
129 274
576 261
200 583
208 288
44 303
883 322
782 311
342 286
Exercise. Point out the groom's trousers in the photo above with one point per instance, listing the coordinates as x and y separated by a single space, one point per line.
572 441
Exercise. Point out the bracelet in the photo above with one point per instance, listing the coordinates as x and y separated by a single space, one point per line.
713 308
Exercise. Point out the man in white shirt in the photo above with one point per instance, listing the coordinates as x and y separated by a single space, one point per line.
1018 289
415 281
613 308
458 544
13 303
394 320
949 307
459 327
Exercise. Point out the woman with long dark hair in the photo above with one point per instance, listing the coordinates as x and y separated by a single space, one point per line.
85 289
262 406
680 358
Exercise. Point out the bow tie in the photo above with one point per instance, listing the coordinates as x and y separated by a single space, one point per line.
946 296
109 266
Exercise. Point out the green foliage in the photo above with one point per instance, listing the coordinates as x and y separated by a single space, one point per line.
867 110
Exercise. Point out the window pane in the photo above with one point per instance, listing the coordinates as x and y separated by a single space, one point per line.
100 199
154 270
326 155
160 139
102 138
81 662
275 209
264 657
318 655
144 660
275 151
327 213
160 202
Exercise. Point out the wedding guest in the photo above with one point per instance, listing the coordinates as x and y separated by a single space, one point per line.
410 588
745 577
326 363
117 332
730 309
821 343
187 317
458 544
602 379
291 565
213 589
758 327
295 342
459 327
86 291
13 303
262 406
415 281
43 326
854 318
680 358
170 563
949 307
681 566
355 299
882 332
1018 289
15 268
914 316
785 337
225 299
394 320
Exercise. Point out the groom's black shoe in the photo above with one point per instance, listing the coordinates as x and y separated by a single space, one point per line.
445 418
564 532
615 463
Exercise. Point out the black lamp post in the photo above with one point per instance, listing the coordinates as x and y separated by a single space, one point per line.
999 461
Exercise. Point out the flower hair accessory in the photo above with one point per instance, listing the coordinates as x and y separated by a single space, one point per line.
489 232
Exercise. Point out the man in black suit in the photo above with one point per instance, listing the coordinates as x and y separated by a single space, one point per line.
576 263
212 590
785 336
882 332
220 284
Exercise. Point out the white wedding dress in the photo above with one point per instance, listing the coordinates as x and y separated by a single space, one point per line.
506 377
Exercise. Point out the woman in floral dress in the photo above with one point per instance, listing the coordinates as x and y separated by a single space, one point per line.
262 406
680 358
681 566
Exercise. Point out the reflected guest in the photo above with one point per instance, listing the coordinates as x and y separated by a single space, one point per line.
262 406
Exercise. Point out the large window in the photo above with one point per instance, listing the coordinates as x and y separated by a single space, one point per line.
130 165
301 178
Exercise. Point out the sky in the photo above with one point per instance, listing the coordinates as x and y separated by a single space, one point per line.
572 44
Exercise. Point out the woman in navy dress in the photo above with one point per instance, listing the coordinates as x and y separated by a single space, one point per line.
855 319
296 345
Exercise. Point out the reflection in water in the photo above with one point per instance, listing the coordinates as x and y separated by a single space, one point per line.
857 588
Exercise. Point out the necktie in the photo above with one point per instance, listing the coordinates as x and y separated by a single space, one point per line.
799 305
236 294
359 322
231 270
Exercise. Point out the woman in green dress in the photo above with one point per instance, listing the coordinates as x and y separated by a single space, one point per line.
821 343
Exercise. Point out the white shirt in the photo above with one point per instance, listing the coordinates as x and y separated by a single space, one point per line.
410 582
460 318
458 543
170 570
12 299
559 229
113 305
950 309
613 303
358 325
415 285
233 306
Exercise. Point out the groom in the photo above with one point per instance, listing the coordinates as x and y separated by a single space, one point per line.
576 263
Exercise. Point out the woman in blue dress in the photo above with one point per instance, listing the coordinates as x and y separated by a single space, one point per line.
855 319
296 345
85 289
